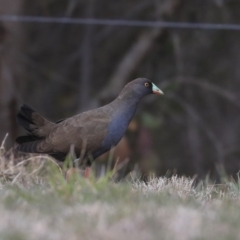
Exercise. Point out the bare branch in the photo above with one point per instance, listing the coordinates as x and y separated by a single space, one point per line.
138 52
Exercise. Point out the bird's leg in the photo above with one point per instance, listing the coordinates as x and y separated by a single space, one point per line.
73 171
88 164
87 172
70 173
85 167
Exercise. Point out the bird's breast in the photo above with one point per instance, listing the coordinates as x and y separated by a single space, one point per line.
117 128
114 135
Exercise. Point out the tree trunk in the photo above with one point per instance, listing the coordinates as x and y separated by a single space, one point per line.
10 41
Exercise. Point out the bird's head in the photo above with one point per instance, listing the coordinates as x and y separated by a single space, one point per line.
140 87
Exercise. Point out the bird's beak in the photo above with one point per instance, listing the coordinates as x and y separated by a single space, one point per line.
156 90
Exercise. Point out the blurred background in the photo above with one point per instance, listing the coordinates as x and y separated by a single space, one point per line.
60 69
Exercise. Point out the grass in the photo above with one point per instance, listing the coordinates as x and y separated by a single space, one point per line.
37 203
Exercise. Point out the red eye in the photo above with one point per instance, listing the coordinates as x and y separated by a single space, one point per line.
146 84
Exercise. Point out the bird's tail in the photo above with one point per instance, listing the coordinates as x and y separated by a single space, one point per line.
37 127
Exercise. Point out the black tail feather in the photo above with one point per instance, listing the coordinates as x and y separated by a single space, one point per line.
28 147
27 138
28 143
24 117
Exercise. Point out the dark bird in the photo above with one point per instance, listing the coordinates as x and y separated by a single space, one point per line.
91 133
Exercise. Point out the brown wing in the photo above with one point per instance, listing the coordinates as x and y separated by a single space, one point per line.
87 129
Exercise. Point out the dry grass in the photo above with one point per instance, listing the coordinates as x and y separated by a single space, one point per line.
37 203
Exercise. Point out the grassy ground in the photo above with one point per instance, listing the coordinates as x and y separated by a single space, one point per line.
37 203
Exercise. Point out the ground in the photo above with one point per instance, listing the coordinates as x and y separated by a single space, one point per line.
37 203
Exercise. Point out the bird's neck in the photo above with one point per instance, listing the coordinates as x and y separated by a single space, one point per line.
123 111
126 106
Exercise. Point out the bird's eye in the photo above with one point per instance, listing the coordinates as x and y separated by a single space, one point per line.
146 84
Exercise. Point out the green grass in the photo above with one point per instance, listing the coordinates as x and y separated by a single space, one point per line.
37 203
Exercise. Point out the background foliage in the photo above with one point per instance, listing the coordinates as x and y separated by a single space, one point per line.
61 69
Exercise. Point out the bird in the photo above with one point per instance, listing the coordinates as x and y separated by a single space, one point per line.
90 133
